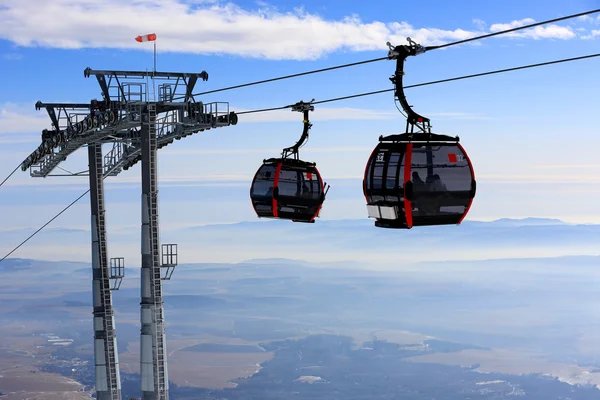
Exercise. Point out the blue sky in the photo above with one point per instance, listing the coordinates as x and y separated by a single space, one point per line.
531 134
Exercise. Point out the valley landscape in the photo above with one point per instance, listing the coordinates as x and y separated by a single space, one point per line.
275 328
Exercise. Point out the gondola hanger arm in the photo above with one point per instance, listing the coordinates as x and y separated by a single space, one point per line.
305 108
400 53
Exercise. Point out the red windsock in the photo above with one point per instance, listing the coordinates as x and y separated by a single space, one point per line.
146 38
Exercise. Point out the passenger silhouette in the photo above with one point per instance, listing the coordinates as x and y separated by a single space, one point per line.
418 183
437 185
306 192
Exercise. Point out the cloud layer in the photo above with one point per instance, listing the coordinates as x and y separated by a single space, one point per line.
222 28
17 119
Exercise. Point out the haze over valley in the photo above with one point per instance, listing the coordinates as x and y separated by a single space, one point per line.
277 327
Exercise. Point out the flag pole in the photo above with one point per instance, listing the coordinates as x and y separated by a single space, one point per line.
146 38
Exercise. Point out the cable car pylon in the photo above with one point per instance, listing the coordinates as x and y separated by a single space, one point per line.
134 127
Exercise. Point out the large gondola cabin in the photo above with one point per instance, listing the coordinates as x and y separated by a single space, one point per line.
417 180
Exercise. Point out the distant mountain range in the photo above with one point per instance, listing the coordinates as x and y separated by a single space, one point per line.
329 241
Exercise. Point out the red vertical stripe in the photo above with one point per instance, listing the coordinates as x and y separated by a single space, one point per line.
322 191
275 185
472 177
407 165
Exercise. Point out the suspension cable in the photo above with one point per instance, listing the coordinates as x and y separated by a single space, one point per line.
9 175
338 99
499 71
43 226
386 58
292 76
515 29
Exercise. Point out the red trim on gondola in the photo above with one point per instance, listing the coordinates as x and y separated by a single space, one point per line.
322 192
369 162
275 185
407 165
472 177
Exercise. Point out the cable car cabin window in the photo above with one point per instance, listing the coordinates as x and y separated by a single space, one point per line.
299 195
263 184
312 186
262 190
392 171
299 184
441 183
385 177
394 179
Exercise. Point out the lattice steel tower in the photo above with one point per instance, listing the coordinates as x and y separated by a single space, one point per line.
136 123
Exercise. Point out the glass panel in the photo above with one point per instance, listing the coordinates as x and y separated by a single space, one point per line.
419 170
289 183
451 166
368 175
311 185
263 182
378 175
390 179
442 180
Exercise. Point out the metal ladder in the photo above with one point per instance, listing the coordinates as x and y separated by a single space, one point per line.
109 344
156 285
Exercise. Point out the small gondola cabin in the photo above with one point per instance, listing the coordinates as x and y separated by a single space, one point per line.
417 180
287 189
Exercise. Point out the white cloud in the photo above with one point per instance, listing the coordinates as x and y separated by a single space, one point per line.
582 167
587 18
538 32
15 119
319 114
593 34
14 139
480 24
562 179
208 27
204 151
12 56
344 113
22 119
457 116
237 179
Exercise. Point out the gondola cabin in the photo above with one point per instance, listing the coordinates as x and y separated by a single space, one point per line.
417 180
287 189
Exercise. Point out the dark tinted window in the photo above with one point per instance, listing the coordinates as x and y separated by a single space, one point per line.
448 162
387 180
442 180
289 183
392 171
311 185
299 184
263 181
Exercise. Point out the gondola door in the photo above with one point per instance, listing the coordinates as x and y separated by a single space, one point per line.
384 185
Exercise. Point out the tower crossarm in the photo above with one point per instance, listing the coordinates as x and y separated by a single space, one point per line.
181 120
73 126
59 113
117 119
177 85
